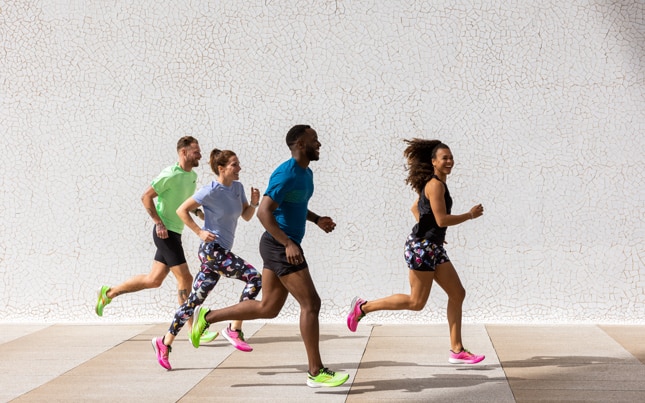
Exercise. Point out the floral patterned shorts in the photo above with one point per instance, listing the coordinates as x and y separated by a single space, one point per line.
424 255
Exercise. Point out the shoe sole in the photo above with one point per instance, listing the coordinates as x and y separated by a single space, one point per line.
99 309
194 327
312 384
458 361
352 307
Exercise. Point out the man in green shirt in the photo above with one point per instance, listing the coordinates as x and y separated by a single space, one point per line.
171 188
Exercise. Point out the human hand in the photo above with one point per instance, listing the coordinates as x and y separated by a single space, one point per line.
207 236
255 196
293 252
326 224
476 211
162 232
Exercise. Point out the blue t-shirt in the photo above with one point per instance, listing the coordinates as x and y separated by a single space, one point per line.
222 207
291 186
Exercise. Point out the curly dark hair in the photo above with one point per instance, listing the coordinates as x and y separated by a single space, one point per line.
420 153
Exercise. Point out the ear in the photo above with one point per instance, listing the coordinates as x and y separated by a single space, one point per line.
300 143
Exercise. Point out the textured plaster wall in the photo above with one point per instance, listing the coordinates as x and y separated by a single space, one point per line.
542 103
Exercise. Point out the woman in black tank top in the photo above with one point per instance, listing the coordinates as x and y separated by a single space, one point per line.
429 164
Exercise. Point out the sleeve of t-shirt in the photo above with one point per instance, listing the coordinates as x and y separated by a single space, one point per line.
201 194
160 184
278 186
243 194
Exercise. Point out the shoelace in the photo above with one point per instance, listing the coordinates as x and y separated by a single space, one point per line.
327 371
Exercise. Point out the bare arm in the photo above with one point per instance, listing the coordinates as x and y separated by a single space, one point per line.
249 209
434 191
148 200
184 213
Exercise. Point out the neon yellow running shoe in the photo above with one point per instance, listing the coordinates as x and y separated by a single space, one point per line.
199 325
326 378
103 300
207 337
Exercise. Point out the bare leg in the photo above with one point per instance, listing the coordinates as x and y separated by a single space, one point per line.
154 279
420 285
448 279
302 287
236 325
274 295
184 281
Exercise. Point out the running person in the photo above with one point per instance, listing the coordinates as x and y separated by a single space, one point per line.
171 188
224 201
284 212
429 163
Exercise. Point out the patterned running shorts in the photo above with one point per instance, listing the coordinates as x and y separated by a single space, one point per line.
424 255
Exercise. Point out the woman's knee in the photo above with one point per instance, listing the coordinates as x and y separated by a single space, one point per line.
458 295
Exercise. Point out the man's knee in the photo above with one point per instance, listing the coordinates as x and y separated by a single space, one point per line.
154 282
311 305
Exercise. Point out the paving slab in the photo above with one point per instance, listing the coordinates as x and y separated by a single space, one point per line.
128 371
631 337
410 363
567 363
276 369
42 355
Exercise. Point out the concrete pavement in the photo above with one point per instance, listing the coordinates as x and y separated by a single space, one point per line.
389 363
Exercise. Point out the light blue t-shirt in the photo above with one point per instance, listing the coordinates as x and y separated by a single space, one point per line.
291 186
222 208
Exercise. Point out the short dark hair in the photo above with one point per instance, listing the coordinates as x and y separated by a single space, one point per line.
186 141
295 133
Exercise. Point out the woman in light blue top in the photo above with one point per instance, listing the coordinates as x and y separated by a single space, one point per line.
223 201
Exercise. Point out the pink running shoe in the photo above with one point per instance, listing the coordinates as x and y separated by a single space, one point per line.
162 352
236 338
464 357
355 313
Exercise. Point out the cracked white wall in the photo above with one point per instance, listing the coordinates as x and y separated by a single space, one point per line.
543 105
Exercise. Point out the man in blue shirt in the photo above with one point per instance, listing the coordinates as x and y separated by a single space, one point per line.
284 212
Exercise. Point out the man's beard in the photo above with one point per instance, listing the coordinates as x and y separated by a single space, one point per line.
311 154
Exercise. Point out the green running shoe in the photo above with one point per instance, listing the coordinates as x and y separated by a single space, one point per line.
327 378
199 325
103 300
207 337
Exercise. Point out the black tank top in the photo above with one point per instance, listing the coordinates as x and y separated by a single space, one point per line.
427 226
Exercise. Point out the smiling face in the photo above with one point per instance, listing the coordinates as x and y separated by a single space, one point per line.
192 154
443 162
311 144
231 171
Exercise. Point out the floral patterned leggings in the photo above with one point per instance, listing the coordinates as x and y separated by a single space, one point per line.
216 262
